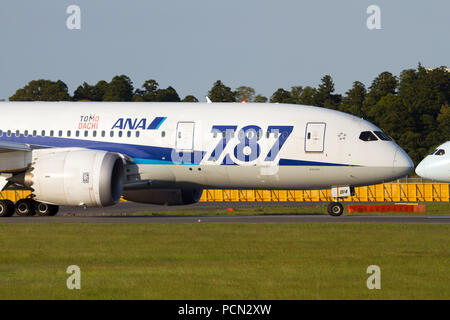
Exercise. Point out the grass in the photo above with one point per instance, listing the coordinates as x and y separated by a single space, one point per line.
433 208
224 261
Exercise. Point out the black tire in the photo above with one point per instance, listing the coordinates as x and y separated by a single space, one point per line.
6 208
25 207
45 209
335 209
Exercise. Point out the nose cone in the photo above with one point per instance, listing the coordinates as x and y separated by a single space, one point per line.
421 169
402 164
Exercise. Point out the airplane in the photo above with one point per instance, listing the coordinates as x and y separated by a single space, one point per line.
90 153
436 165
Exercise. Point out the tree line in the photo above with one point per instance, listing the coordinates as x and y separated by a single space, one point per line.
413 108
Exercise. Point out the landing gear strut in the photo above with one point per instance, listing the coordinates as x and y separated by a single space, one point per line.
335 209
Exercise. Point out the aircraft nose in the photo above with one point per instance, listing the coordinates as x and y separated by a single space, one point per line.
402 164
421 169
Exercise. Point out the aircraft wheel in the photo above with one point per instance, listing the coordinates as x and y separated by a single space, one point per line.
6 208
335 209
25 207
45 209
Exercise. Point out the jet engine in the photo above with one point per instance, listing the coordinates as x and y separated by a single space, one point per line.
170 197
78 177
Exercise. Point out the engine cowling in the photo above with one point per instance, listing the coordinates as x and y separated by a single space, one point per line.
170 197
82 177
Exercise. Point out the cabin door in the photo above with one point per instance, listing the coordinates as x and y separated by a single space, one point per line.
185 136
315 137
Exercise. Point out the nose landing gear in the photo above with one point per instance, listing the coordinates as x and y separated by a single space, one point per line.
335 209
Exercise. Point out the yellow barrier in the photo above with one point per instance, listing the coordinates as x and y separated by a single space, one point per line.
396 192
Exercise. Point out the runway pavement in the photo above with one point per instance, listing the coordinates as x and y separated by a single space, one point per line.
123 213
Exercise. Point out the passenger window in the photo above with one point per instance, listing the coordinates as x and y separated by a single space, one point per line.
163 134
77 133
137 134
51 133
68 133
367 136
86 133
17 133
128 134
94 133
43 133
111 134
440 152
34 133
120 134
60 133
382 136
103 133
8 133
25 134
1 133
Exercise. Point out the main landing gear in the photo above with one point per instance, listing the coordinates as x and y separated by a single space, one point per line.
27 208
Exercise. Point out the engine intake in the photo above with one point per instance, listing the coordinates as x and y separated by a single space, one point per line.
76 177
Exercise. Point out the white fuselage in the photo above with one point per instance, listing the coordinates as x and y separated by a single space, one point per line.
218 145
436 165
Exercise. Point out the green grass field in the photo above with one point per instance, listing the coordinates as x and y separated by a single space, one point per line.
224 261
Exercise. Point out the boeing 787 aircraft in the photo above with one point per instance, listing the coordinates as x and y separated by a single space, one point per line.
89 154
436 165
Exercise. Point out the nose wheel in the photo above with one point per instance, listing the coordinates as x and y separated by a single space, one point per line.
335 209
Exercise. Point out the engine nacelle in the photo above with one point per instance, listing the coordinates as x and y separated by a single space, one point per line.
170 197
81 177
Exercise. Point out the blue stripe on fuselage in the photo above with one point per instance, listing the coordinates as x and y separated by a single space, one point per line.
141 154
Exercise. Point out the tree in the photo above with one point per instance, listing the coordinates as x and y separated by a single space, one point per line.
324 96
42 90
148 92
90 93
307 97
444 122
260 98
221 93
119 89
354 99
167 95
281 96
189 98
244 93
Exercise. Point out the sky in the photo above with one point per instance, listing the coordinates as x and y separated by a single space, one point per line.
189 44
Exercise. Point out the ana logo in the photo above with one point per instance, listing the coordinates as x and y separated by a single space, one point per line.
136 123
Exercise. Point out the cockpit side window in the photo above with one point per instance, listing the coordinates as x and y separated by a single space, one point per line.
440 152
367 136
382 136
433 152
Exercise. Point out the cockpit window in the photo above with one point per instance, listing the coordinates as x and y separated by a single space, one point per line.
367 136
440 152
382 136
